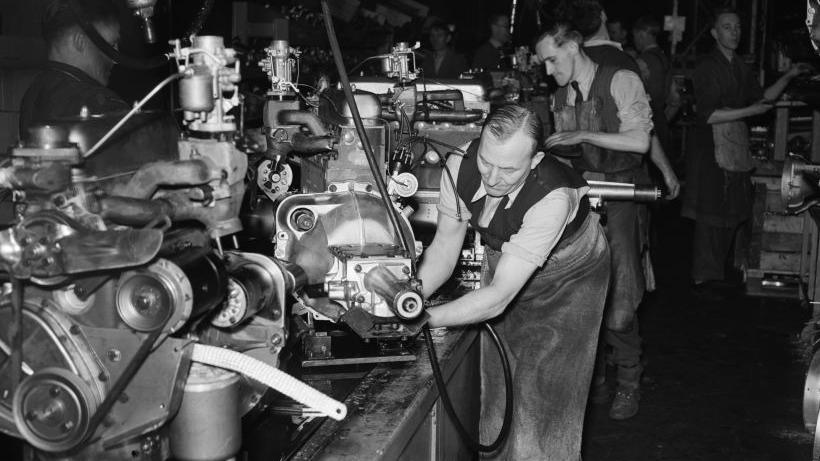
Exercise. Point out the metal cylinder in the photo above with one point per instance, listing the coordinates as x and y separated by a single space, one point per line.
207 426
196 91
212 44
404 301
249 288
623 191
280 62
46 137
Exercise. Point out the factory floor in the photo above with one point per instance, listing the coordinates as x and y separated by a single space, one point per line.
723 378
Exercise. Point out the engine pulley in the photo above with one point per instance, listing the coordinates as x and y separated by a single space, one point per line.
52 409
148 298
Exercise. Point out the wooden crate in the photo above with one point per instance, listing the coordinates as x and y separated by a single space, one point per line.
777 247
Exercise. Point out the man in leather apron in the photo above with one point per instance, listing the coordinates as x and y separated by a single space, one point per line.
544 284
603 123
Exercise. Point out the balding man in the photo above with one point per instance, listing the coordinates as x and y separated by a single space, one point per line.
547 272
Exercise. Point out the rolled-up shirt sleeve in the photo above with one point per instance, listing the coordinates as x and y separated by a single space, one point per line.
543 225
633 105
449 203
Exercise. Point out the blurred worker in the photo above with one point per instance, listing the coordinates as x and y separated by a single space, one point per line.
813 23
719 190
619 33
490 55
442 61
627 228
77 72
544 284
656 72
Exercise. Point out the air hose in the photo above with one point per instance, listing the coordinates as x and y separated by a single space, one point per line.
269 376
393 214
448 404
368 148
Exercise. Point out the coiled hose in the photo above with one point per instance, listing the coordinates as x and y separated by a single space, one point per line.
269 376
448 405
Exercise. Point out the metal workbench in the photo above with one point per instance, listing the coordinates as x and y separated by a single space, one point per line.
395 413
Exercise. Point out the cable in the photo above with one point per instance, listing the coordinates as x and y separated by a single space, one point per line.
361 63
15 331
368 149
121 383
448 404
131 113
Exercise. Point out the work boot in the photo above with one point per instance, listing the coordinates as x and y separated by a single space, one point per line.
625 403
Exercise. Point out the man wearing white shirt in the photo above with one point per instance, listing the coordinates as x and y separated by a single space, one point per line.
544 284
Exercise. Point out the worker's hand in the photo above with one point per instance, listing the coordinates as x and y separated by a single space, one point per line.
760 107
799 68
672 185
565 138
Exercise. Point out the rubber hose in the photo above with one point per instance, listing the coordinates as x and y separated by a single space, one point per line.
372 162
271 377
448 404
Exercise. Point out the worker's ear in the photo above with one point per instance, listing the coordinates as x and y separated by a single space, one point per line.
536 159
79 41
713 32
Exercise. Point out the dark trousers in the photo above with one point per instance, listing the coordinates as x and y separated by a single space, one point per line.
712 247
626 233
551 330
626 355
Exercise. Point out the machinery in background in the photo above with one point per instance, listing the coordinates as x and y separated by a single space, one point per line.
316 203
132 333
799 184
800 192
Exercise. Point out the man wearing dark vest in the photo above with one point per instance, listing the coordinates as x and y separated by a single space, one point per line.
603 113
544 282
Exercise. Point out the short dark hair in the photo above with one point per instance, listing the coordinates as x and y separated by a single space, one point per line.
59 17
439 25
720 12
561 32
495 17
647 24
509 119
583 15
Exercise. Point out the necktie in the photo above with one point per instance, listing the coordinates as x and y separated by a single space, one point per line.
579 98
491 206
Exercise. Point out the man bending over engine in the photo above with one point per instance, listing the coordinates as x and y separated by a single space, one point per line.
77 72
544 282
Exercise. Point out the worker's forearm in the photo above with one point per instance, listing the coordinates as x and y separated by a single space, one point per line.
730 115
476 306
437 267
773 92
658 157
636 141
